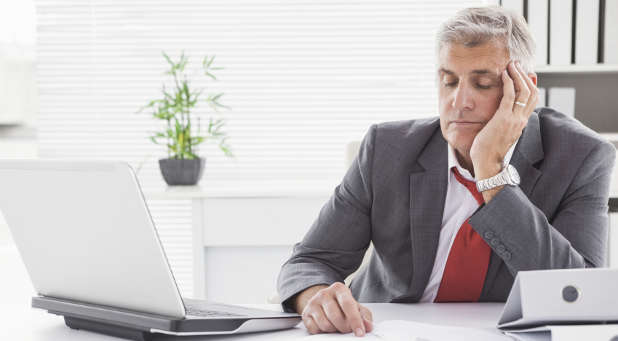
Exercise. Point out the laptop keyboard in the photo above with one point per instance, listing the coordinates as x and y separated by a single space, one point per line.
200 308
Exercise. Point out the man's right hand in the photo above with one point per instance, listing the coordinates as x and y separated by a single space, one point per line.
330 309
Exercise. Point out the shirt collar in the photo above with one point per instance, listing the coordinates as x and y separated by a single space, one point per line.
453 162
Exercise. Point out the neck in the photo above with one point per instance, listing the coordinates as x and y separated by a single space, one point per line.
465 161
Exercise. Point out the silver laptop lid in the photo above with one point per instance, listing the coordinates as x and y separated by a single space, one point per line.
84 233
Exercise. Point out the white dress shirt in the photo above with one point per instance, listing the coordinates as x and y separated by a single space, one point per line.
460 204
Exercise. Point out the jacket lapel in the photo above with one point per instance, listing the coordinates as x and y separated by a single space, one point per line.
528 152
427 196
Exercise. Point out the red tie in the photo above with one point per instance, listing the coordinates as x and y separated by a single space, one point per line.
466 266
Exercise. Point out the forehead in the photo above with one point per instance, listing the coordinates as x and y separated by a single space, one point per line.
459 59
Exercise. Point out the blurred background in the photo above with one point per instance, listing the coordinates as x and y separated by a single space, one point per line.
301 82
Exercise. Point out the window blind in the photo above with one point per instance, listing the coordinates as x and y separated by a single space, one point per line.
302 78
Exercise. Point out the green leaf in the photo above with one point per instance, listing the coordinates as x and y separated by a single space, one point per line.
214 99
169 60
208 63
175 106
154 140
196 95
210 124
167 95
183 61
225 148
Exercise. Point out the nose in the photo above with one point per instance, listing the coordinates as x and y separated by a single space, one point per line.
463 99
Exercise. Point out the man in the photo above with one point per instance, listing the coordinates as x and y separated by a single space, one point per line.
456 206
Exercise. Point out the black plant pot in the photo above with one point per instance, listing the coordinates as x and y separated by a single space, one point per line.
182 172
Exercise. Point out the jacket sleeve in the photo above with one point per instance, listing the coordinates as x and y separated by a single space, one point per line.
335 244
576 237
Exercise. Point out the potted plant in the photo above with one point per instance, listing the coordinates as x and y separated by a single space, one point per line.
183 131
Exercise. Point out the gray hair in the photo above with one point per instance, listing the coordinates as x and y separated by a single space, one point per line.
478 25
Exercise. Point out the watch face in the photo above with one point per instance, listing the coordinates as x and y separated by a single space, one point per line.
513 174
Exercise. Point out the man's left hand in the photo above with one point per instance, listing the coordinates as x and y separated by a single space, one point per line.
491 144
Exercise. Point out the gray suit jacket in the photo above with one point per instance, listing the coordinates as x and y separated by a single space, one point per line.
393 195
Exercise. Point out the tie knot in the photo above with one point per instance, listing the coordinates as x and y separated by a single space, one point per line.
470 185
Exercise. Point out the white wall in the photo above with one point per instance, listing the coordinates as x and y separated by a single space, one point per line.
18 94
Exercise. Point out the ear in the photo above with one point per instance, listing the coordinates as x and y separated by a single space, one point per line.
533 77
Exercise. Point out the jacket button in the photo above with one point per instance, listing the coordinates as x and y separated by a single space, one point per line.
494 242
506 255
488 234
501 248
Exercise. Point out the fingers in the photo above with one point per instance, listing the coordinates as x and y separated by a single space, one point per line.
334 309
521 87
534 92
320 318
508 93
314 316
310 324
335 316
350 309
367 318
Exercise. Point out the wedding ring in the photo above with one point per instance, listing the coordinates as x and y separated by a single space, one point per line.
521 104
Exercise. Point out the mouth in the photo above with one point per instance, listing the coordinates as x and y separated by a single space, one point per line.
465 123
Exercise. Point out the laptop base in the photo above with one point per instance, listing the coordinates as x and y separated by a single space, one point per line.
143 326
107 329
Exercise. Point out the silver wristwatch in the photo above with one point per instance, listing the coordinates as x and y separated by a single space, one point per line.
508 176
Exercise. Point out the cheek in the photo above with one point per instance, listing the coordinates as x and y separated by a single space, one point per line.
443 98
489 102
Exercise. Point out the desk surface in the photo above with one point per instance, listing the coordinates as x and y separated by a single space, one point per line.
20 322
23 323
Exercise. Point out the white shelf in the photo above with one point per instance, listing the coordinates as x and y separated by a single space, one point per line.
199 192
10 122
598 68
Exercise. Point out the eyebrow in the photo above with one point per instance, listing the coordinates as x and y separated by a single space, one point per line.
477 71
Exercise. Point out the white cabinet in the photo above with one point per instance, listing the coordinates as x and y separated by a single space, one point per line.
239 241
246 240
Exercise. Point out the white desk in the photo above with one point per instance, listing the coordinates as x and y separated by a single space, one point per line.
20 322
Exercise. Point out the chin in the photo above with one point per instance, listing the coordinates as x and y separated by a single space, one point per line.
461 141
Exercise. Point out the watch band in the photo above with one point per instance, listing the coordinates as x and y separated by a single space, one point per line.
507 176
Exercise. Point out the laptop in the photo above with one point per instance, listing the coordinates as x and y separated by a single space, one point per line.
92 252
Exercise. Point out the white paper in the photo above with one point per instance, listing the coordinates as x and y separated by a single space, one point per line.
396 330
